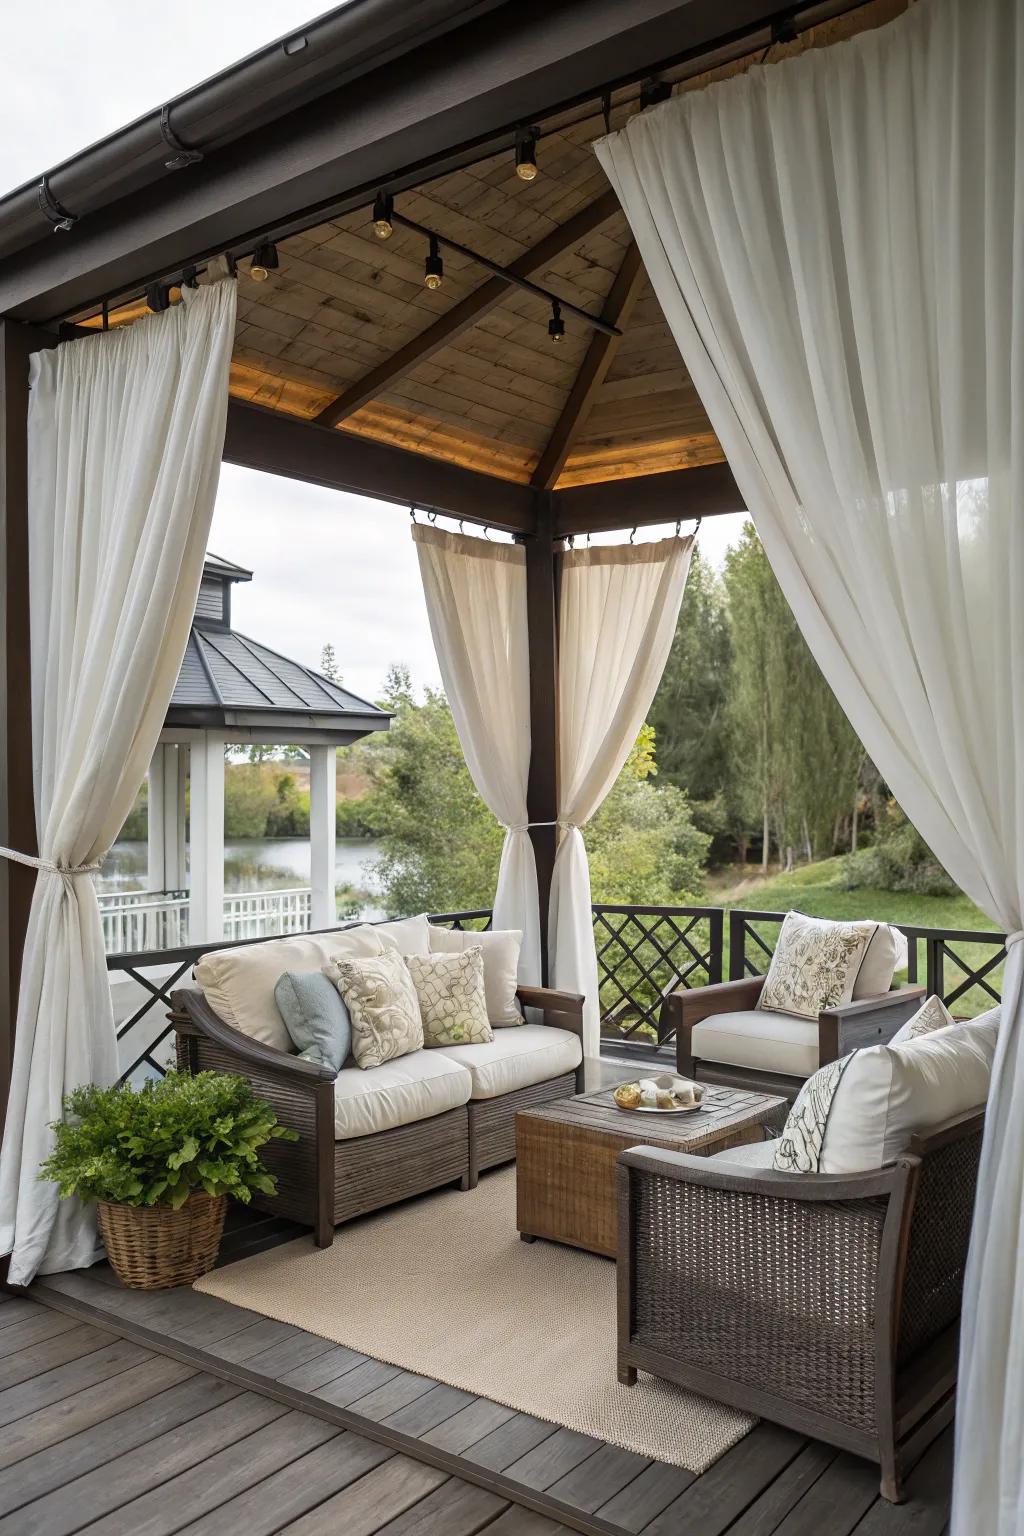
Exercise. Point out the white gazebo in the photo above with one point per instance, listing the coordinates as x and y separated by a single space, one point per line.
232 689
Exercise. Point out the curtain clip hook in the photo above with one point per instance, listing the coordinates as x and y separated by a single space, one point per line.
461 529
696 526
570 539
487 532
412 511
432 517
679 525
632 536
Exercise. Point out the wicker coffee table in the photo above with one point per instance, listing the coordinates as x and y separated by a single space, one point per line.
566 1152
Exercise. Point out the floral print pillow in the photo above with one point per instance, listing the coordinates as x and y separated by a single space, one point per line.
453 1002
815 965
382 1004
798 1149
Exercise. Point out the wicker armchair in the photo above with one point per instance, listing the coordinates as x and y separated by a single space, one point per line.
828 1303
847 1027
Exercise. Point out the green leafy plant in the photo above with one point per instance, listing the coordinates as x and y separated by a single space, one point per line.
156 1145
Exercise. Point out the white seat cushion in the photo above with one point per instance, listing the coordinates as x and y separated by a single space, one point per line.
771 1042
517 1058
753 1154
412 1087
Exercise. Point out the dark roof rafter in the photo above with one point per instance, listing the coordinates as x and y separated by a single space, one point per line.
599 357
469 310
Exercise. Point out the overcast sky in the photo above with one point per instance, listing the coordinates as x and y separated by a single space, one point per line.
327 567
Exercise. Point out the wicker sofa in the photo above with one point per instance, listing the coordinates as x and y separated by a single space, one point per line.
324 1178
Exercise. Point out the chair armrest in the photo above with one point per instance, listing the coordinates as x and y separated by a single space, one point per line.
191 1014
564 1010
702 1172
687 1006
870 1021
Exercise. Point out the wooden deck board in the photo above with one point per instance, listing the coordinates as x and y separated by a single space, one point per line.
86 1414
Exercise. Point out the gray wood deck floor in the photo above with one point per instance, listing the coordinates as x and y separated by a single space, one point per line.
172 1412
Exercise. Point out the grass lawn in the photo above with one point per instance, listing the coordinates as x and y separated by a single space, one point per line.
818 890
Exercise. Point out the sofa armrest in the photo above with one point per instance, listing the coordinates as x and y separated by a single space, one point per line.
563 1010
191 1014
687 1006
870 1021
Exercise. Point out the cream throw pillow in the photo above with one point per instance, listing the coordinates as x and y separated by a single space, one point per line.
501 948
382 1004
407 935
932 1014
239 984
452 999
815 965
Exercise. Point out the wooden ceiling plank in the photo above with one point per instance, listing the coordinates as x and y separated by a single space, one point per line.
593 371
468 310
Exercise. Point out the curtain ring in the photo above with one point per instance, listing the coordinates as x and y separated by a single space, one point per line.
412 511
432 518
487 532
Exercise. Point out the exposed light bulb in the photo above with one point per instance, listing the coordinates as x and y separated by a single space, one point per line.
526 156
556 325
383 211
433 267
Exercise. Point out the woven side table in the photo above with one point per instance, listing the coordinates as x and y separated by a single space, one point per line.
566 1152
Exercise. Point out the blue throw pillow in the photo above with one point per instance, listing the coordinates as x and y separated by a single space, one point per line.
315 1016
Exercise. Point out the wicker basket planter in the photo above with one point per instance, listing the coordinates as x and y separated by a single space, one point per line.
152 1248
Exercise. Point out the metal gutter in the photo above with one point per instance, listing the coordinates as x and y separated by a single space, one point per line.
245 99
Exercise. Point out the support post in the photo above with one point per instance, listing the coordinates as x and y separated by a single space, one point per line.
156 861
206 837
17 798
323 794
542 627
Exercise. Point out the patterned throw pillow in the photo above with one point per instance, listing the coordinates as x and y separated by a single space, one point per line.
798 1149
815 965
383 1007
932 1014
453 1002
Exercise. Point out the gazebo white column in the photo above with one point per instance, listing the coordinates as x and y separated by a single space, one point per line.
206 836
166 819
323 791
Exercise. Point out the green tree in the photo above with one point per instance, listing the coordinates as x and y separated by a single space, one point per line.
329 663
690 713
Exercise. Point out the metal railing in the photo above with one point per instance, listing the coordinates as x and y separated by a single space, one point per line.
642 954
966 983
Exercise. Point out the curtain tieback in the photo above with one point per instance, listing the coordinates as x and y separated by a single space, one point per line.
1016 937
567 826
67 872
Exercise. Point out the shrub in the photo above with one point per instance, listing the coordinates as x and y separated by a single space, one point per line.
156 1145
900 860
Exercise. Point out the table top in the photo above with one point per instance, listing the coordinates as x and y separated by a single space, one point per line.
722 1112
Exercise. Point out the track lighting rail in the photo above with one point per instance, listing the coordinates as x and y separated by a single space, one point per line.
507 276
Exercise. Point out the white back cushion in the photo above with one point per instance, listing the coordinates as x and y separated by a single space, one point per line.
501 963
409 935
239 983
886 954
888 1093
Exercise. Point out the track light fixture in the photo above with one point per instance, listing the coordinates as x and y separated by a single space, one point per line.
383 215
556 325
433 267
264 261
526 155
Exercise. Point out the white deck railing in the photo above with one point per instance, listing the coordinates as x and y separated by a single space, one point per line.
134 921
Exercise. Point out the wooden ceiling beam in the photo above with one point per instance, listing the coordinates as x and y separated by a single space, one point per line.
707 490
279 444
599 357
468 311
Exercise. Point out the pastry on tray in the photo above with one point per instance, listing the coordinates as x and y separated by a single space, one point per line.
667 1092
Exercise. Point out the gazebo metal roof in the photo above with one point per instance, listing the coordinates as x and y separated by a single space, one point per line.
230 681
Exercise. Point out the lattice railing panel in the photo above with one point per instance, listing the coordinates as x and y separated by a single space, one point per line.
644 953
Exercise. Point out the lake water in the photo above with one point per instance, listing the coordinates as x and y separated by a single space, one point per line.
256 864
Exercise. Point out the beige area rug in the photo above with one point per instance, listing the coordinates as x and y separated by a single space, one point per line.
444 1287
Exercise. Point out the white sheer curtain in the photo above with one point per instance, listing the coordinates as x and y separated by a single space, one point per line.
838 244
617 615
125 436
476 602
